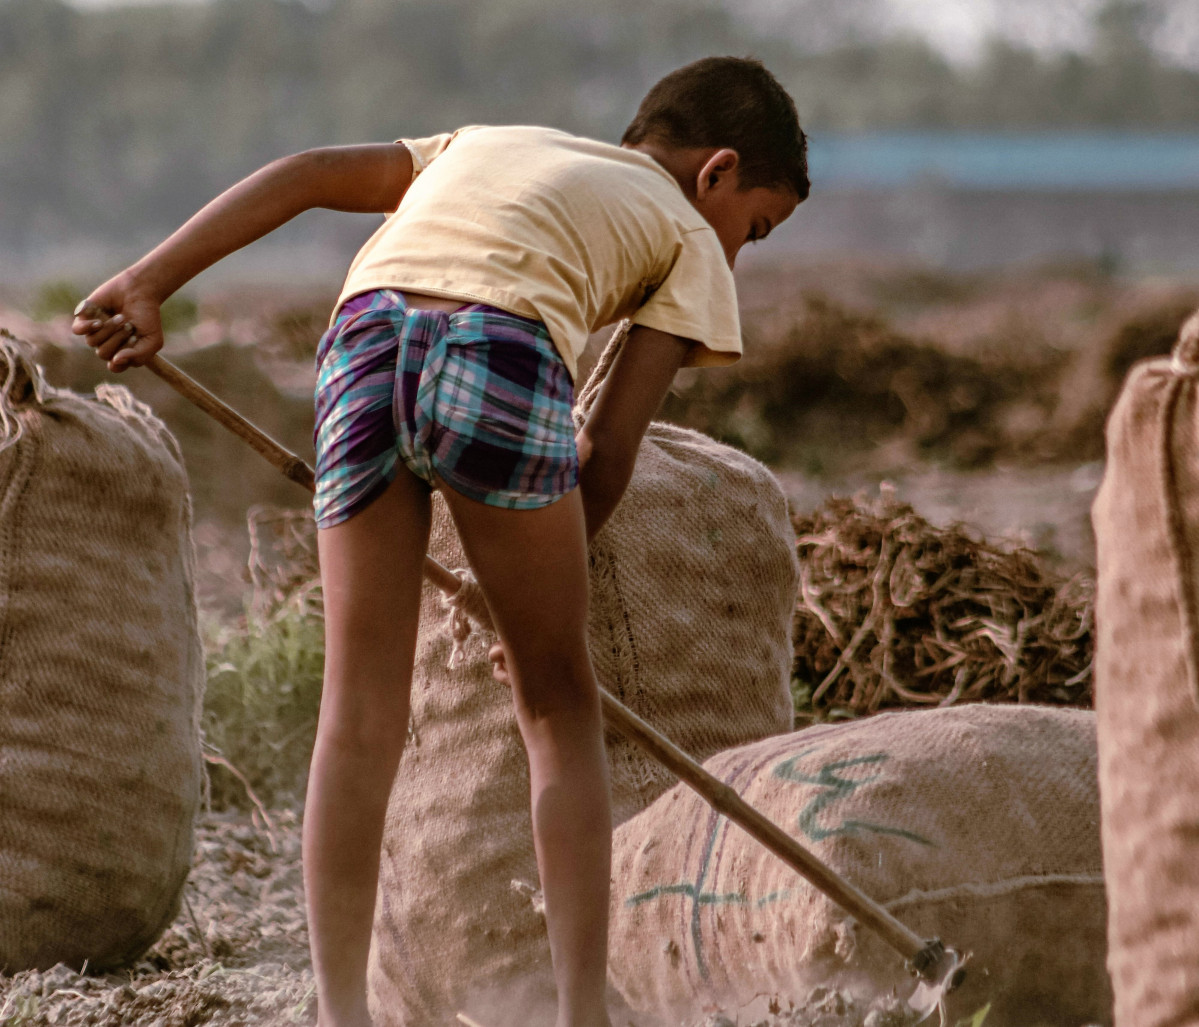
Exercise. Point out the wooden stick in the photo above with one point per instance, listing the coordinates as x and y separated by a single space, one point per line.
919 951
286 461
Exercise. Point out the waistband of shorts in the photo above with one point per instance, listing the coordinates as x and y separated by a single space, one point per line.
393 299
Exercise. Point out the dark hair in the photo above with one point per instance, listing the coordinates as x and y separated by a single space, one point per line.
733 102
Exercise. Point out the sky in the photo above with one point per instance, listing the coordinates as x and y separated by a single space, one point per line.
958 28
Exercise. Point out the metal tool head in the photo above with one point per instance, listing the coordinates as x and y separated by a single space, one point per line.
941 971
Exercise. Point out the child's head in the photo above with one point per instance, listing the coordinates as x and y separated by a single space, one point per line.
729 102
730 134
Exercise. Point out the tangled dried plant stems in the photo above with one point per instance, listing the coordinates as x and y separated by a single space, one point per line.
283 560
894 611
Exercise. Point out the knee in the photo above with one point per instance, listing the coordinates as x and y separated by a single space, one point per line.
364 721
561 683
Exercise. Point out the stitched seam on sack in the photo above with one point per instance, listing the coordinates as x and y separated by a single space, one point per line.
640 773
1179 551
996 889
13 507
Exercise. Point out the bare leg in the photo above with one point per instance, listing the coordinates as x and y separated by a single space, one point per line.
532 566
371 575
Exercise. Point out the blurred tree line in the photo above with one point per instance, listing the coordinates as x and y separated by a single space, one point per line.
124 119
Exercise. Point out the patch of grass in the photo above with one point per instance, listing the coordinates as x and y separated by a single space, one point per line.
53 299
264 686
978 1019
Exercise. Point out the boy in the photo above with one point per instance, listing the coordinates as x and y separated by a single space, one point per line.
450 364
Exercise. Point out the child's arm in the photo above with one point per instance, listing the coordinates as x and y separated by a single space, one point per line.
362 179
628 400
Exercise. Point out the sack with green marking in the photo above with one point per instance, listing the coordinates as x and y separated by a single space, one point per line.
974 824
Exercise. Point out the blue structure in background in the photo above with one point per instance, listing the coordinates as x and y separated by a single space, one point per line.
971 160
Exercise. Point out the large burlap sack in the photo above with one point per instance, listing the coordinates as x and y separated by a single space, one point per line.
693 587
101 674
1146 519
975 824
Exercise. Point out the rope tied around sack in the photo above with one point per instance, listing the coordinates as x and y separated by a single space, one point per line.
588 394
465 605
23 383
1185 357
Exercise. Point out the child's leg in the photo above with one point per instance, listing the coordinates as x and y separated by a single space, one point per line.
371 576
532 566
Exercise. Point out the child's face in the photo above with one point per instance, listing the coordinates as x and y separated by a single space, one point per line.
749 215
739 215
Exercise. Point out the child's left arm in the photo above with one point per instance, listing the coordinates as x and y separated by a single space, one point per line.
627 402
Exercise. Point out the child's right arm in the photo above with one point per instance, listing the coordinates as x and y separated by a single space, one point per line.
362 179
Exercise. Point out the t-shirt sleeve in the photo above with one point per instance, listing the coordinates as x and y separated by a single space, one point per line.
698 300
424 151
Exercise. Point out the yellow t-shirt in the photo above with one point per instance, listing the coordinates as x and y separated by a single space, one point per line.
575 233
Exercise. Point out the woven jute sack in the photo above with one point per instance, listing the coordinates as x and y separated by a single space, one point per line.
1146 518
975 824
693 584
101 674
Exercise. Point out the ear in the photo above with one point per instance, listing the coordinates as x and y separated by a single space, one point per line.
717 171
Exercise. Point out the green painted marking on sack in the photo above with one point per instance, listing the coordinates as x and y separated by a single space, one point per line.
702 897
835 790
774 896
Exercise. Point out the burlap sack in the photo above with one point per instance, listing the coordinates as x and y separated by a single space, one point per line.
692 593
101 674
975 824
1146 519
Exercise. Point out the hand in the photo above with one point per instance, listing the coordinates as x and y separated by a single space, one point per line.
121 322
499 664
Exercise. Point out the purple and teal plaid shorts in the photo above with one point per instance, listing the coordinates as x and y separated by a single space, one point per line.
478 397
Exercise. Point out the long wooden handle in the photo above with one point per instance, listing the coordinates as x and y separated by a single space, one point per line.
715 792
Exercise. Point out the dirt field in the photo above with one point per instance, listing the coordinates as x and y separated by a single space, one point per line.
1019 459
237 955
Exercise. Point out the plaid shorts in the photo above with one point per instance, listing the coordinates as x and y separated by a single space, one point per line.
478 397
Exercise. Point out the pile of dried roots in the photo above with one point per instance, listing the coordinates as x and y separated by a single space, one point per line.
894 611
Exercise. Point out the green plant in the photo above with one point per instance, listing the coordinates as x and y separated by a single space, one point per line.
264 686
978 1019
179 313
53 299
56 298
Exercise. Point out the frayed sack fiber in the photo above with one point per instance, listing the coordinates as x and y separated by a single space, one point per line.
101 674
693 585
975 824
1146 518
